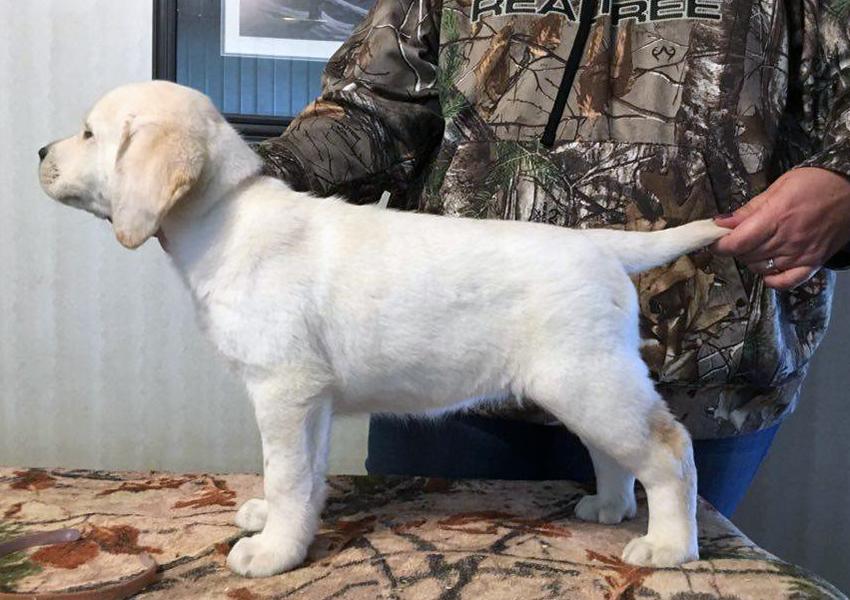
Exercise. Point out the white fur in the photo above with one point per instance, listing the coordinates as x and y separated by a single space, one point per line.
331 308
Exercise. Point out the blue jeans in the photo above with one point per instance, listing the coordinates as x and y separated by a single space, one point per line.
475 447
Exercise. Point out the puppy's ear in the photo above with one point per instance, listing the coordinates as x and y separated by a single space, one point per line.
157 165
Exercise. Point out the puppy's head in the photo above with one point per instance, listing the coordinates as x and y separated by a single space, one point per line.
141 149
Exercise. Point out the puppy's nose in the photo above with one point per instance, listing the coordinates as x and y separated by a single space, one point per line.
42 152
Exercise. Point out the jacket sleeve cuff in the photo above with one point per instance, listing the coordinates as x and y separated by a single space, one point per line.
281 163
834 157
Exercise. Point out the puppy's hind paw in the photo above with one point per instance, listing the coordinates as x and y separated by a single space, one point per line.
645 552
259 556
252 515
595 509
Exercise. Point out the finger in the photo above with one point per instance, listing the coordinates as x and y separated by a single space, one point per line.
755 204
764 267
750 235
772 248
787 280
733 220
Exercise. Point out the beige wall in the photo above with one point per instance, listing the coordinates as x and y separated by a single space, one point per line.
101 362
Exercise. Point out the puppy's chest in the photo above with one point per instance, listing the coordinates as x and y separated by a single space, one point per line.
251 329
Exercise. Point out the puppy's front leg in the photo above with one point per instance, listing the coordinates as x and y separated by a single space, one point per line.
614 499
294 421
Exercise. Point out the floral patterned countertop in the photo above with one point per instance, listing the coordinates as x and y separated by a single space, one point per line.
382 538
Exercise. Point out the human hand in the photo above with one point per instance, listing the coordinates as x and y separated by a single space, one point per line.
800 221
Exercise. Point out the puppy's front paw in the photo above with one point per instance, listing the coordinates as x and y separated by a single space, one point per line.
259 556
609 511
252 515
645 552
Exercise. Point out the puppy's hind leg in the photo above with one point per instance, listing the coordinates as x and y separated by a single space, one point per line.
668 474
293 414
620 415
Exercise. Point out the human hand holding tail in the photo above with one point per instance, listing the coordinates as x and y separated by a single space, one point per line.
790 230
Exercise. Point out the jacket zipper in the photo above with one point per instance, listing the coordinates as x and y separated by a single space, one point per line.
588 10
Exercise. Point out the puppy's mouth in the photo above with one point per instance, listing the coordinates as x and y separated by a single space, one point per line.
78 202
72 201
48 174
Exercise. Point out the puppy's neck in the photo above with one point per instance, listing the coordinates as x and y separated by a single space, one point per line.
230 166
198 240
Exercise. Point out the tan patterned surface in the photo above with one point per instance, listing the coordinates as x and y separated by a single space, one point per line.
387 538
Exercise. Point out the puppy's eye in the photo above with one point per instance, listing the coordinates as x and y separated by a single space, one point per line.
87 134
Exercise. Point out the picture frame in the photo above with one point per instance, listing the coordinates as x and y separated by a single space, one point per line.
301 70
294 29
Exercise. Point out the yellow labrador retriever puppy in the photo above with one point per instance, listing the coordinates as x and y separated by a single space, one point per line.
328 307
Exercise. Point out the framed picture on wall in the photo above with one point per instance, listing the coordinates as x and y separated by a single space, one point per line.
298 29
261 61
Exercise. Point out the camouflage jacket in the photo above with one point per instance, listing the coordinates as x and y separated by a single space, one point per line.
637 114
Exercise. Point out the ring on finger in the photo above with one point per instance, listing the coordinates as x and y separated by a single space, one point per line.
768 267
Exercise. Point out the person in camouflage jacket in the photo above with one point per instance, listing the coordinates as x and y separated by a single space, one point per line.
634 114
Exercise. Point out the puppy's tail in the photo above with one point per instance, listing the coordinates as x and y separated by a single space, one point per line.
642 250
